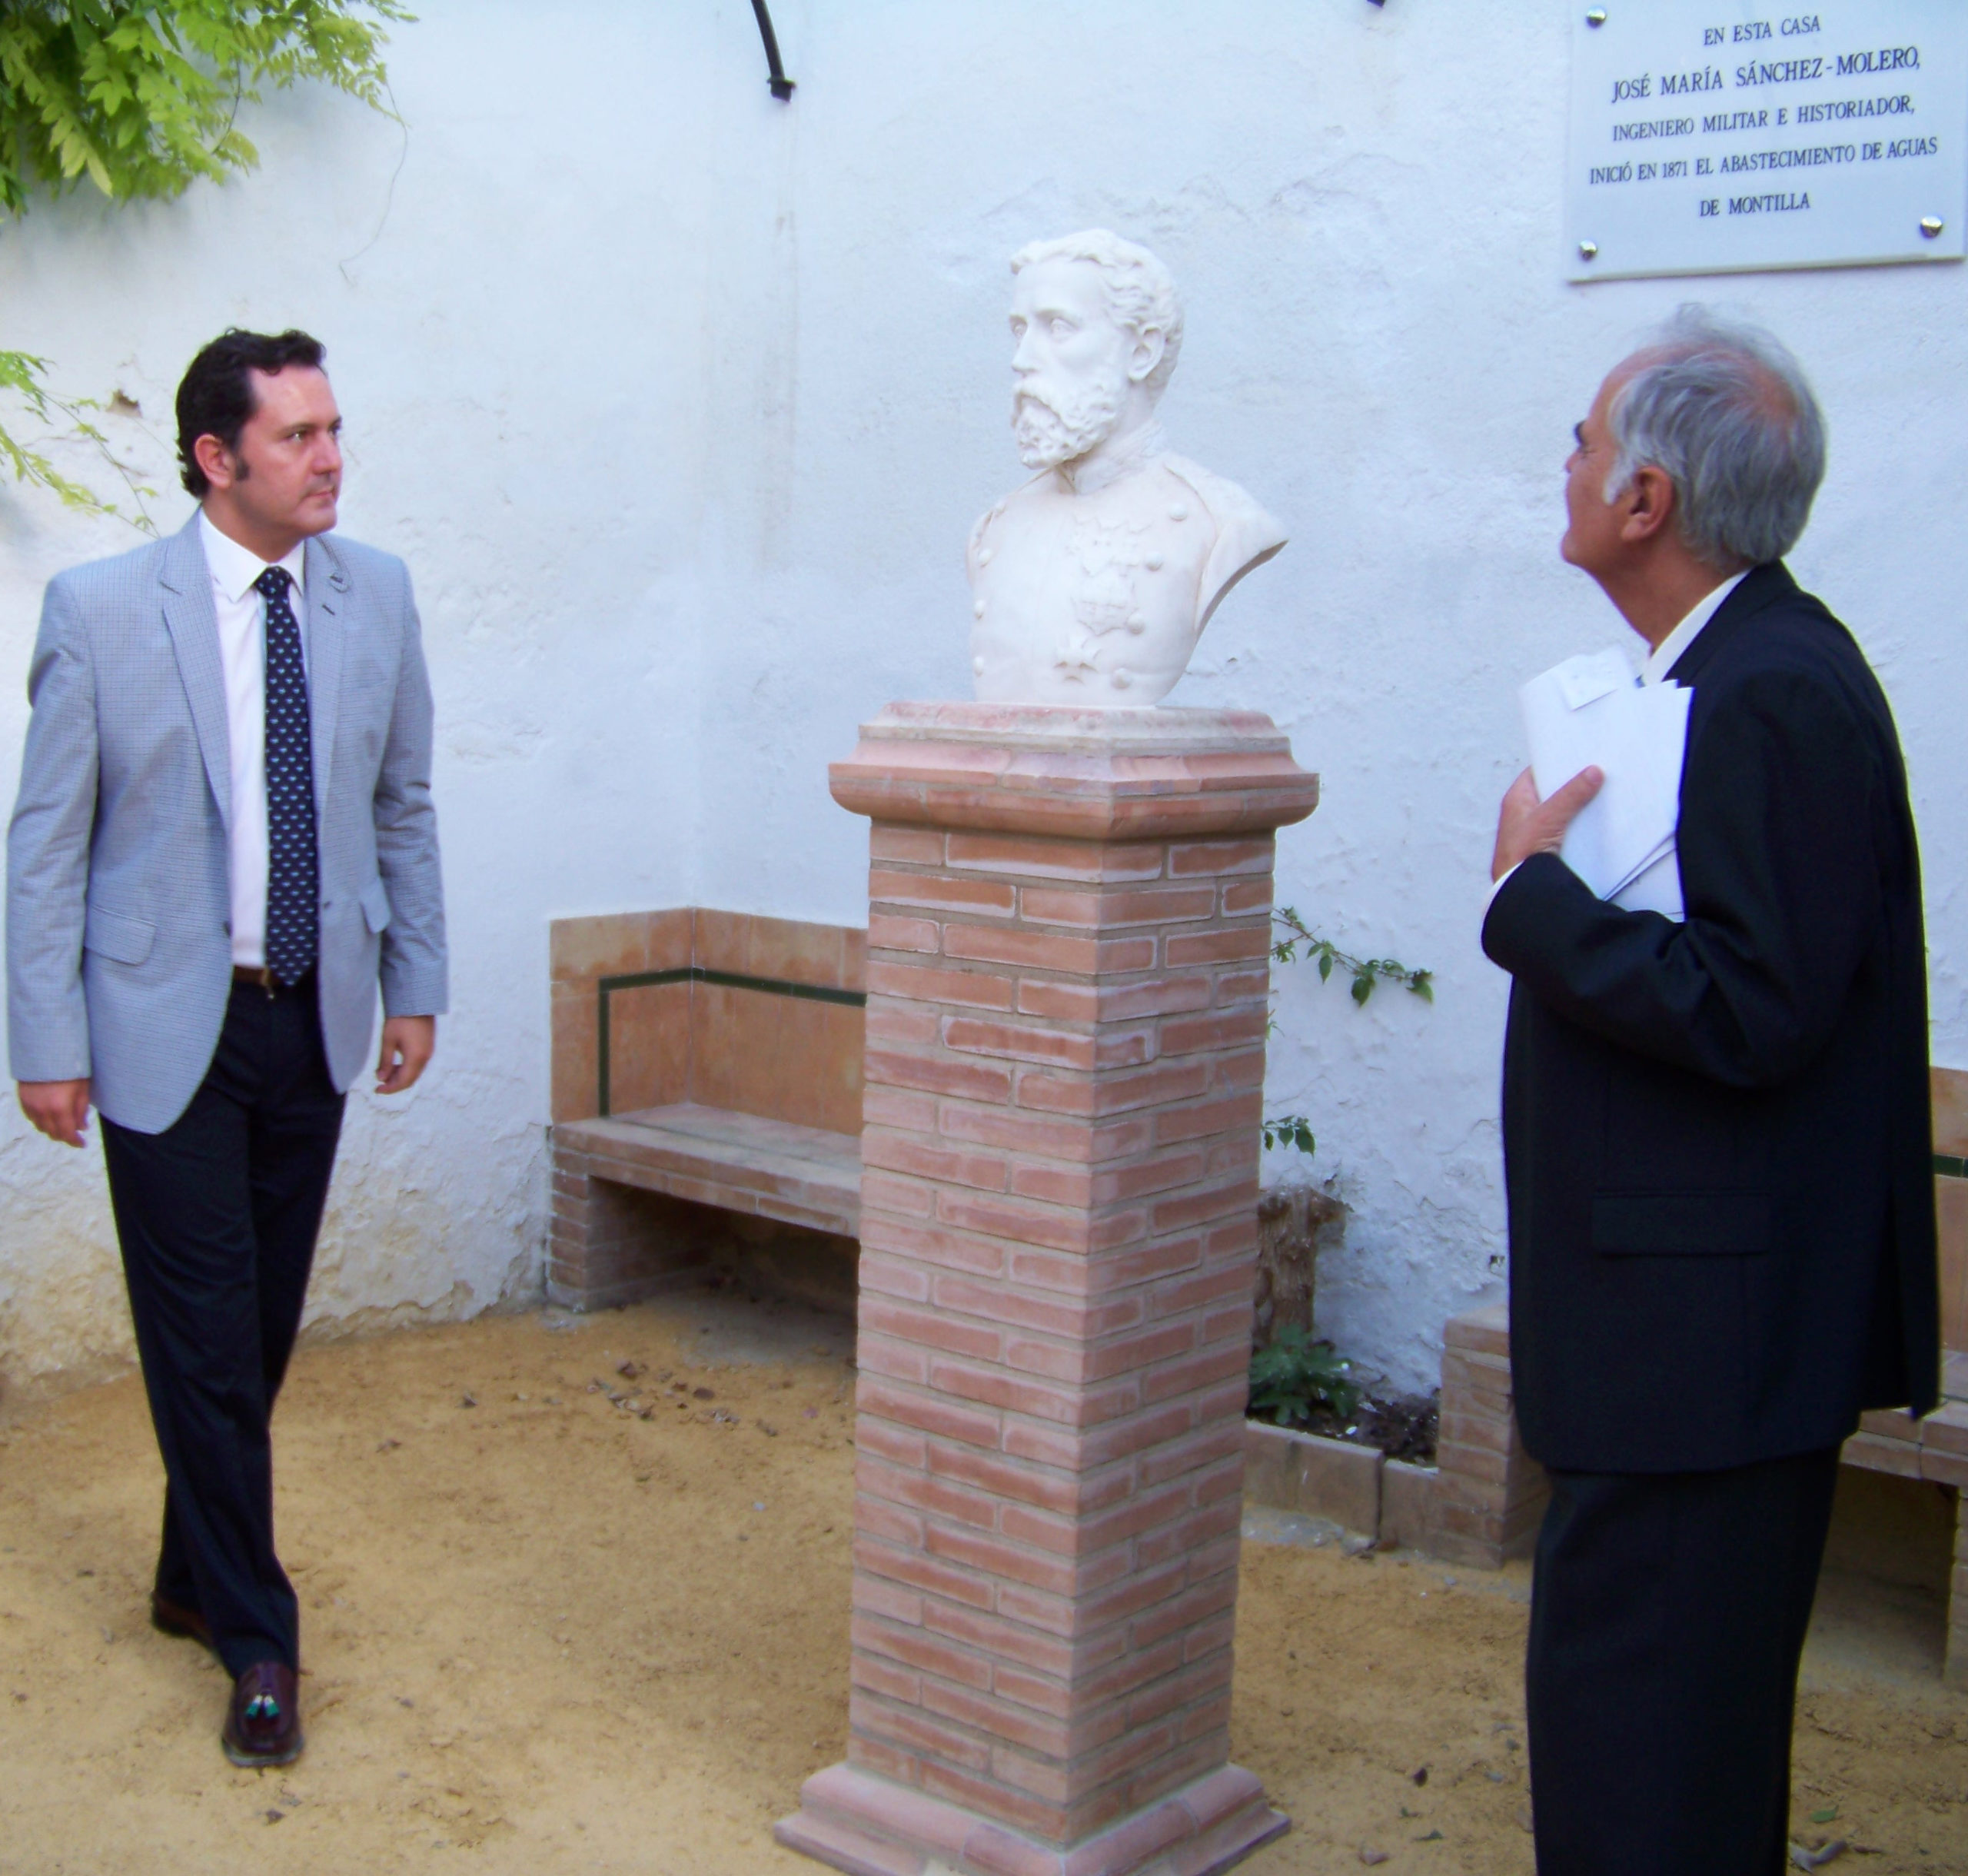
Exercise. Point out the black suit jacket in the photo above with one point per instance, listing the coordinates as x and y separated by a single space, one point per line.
1717 1138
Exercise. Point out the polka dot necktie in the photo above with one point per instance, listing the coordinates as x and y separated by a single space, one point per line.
293 868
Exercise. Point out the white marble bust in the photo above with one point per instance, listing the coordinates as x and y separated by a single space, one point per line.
1091 584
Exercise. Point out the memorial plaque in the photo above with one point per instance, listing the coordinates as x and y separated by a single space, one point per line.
1726 136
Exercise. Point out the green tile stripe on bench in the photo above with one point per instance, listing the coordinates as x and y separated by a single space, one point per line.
1947 1166
696 973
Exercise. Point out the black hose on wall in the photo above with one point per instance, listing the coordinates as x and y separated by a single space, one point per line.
782 86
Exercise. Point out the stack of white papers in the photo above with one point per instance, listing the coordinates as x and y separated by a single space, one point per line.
1592 712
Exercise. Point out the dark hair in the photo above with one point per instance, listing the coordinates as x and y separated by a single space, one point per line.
216 398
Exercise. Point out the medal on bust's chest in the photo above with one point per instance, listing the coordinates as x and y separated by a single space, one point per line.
1101 589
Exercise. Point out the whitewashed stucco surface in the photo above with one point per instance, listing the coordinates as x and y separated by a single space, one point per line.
681 402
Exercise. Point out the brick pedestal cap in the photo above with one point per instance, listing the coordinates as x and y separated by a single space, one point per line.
1083 774
1069 940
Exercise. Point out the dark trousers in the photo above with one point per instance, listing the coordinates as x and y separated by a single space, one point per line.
217 1217
1667 1615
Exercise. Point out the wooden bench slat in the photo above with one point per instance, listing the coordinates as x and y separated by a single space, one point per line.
716 1157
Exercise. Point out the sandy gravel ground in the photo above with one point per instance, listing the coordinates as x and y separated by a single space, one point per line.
544 1633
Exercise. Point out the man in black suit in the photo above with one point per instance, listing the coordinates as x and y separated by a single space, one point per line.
1717 1138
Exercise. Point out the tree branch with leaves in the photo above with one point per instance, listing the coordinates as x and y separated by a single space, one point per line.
141 98
20 373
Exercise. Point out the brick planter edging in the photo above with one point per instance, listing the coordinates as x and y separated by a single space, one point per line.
1293 1471
1478 1505
1356 1487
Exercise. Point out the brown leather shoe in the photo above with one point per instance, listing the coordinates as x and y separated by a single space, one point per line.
172 1618
262 1723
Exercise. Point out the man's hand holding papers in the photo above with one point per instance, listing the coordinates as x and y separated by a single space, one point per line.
1528 825
1590 713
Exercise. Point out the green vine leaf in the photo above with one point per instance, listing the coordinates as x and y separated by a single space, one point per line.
1290 1130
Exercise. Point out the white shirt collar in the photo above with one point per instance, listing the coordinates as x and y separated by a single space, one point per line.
1667 653
235 568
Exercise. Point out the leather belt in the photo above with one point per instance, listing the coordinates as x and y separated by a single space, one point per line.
262 978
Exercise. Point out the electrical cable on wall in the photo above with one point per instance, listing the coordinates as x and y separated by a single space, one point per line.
782 86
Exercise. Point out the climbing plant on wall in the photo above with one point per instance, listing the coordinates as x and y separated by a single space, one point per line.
22 374
1292 939
142 98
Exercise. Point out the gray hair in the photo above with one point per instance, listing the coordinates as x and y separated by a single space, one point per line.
1726 411
1140 294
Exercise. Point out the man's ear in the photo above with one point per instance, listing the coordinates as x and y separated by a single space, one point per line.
221 467
1150 343
1649 502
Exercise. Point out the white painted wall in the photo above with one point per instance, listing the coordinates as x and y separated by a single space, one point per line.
681 402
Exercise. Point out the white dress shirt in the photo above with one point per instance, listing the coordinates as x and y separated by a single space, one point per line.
1666 654
242 651
1663 660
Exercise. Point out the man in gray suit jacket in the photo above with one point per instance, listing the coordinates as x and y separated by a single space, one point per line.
223 843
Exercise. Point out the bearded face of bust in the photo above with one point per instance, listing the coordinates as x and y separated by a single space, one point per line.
1071 363
1089 584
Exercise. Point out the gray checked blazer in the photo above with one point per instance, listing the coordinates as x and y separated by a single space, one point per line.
119 898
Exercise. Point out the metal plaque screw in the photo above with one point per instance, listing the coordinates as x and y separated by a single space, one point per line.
1931 225
1588 251
1597 17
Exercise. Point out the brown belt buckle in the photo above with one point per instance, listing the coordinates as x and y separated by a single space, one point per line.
261 975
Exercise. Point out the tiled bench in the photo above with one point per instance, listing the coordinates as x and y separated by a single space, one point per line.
706 1077
1482 1502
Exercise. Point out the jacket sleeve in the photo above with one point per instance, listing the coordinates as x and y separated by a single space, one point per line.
1783 845
48 854
414 966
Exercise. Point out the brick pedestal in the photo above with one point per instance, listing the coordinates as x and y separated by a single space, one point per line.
1068 948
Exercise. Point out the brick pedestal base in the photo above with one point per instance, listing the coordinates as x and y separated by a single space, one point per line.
1068 949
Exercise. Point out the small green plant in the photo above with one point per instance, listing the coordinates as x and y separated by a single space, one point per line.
1294 1377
